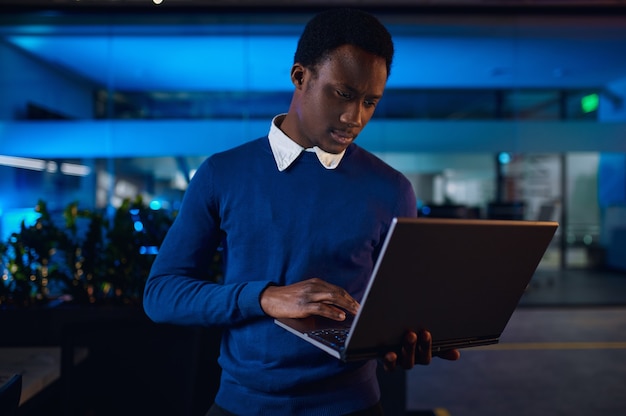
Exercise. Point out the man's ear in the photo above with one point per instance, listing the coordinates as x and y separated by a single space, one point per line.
297 75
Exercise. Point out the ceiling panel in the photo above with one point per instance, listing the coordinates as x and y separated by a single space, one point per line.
432 52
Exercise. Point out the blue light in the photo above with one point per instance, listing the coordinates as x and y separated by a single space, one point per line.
426 210
504 158
155 205
138 226
11 220
148 250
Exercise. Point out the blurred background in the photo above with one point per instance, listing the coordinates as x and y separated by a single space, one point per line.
494 109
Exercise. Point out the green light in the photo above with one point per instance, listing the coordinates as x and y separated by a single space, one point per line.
590 103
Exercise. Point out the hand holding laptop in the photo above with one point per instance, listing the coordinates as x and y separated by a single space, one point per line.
416 349
462 303
316 297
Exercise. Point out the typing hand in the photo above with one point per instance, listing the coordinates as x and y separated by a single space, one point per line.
306 298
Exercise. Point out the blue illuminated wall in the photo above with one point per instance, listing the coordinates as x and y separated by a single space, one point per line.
24 79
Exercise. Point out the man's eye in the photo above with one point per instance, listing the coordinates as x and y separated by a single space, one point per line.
370 103
344 94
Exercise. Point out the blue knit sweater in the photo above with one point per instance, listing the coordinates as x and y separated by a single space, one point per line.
278 228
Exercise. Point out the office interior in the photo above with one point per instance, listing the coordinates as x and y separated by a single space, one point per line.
511 109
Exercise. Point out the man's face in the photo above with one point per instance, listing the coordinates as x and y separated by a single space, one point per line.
335 103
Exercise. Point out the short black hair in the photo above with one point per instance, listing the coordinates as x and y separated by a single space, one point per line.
333 28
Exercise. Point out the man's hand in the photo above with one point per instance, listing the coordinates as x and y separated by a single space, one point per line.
306 298
416 349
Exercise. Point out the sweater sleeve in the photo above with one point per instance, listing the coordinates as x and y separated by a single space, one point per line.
177 290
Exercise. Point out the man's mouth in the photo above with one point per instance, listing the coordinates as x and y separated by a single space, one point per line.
342 137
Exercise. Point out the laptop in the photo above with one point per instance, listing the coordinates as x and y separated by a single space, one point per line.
461 279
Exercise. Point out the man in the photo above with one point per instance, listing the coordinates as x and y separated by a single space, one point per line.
302 214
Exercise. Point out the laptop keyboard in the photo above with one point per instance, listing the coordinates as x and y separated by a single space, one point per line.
335 337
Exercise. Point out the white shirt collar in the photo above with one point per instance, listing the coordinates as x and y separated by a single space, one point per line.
286 151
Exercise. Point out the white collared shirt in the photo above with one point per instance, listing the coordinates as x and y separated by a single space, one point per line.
285 150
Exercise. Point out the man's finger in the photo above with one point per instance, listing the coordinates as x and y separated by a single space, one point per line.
409 347
424 348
